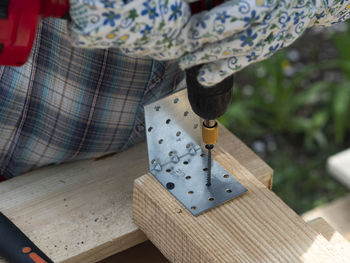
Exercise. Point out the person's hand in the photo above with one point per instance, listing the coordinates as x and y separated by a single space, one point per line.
137 27
161 29
264 34
226 39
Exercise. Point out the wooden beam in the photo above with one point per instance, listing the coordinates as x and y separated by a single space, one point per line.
82 211
256 227
246 157
146 252
335 238
337 214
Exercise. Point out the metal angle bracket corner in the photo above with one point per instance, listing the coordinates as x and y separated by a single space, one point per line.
178 162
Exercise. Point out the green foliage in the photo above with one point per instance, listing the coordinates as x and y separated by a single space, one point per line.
318 112
305 113
301 181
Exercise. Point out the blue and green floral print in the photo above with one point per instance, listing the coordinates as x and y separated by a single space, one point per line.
225 39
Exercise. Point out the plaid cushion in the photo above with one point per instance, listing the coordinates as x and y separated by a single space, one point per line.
68 104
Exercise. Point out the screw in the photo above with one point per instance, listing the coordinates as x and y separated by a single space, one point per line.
209 147
170 186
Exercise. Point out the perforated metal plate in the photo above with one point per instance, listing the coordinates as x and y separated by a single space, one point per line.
178 162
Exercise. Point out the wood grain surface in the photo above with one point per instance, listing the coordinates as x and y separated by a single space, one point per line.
256 227
336 213
335 238
82 211
148 253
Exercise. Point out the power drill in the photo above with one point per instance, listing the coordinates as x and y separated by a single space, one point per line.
209 103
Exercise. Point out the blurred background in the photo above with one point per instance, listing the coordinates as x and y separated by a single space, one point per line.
294 111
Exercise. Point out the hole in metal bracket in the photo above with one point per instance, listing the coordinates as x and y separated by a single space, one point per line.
205 169
226 176
176 157
170 185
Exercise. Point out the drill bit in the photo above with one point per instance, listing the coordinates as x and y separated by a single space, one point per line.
209 148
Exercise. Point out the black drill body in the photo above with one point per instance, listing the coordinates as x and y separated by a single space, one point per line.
209 103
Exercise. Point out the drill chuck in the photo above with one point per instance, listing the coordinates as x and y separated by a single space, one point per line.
210 132
209 103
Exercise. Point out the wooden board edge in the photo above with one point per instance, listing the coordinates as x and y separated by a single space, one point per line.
148 200
108 249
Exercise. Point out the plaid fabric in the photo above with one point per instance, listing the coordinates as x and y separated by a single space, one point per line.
68 104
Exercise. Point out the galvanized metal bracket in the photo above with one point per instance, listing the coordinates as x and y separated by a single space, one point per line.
176 159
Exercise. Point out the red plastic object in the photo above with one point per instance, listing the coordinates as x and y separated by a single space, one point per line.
18 29
2 178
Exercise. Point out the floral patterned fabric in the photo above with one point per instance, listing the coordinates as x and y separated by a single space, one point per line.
225 39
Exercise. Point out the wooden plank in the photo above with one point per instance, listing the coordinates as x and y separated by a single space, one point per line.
337 214
339 166
246 157
78 212
325 229
335 238
82 211
147 252
256 227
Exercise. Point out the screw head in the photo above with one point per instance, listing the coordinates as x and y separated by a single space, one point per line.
170 185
